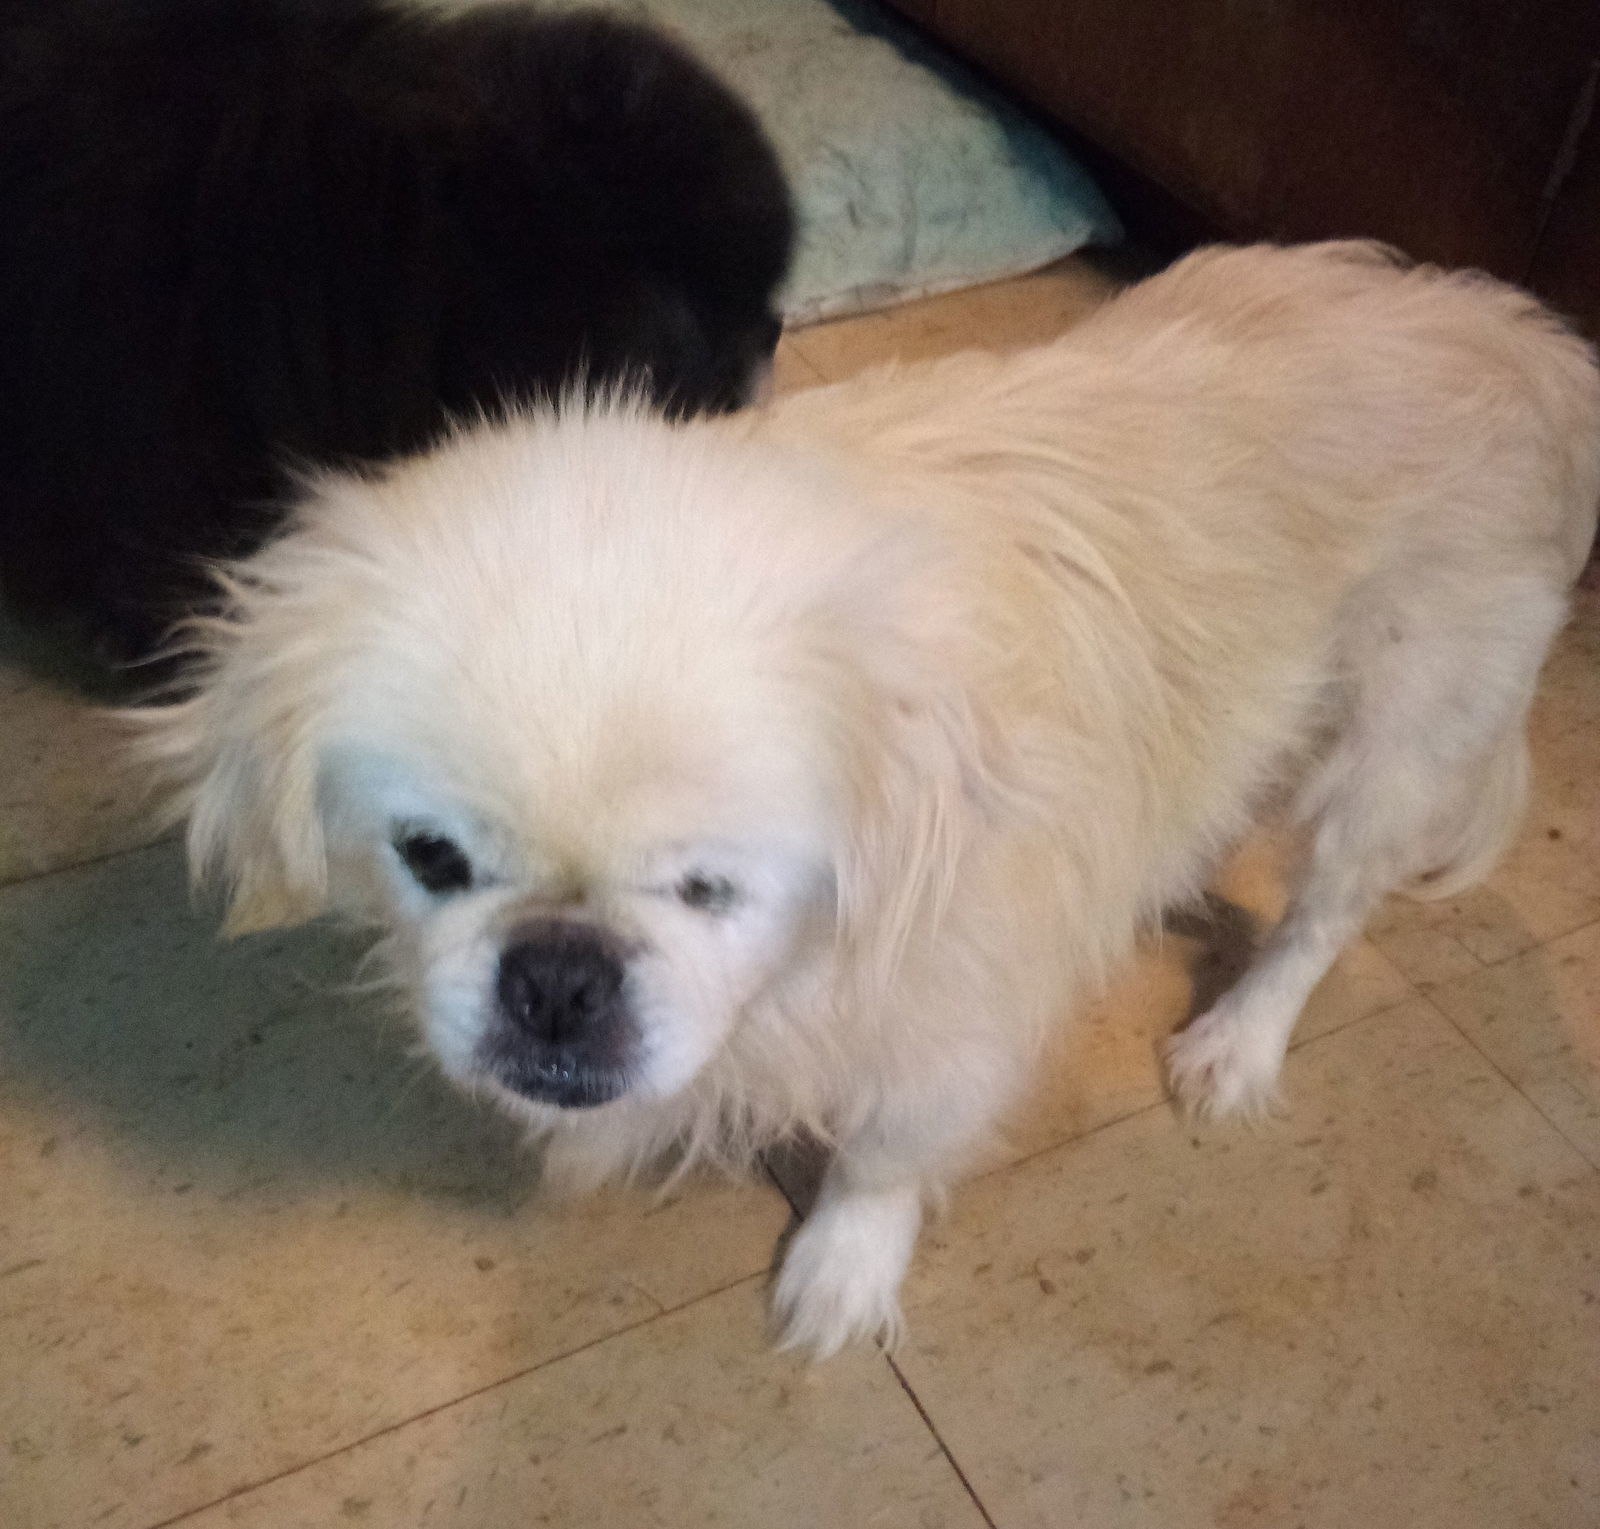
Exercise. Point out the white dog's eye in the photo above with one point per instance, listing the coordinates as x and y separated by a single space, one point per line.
709 894
438 864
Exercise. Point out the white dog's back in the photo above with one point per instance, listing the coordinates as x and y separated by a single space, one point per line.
1288 466
1266 372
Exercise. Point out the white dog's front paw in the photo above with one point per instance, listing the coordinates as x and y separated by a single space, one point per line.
840 1280
1225 1063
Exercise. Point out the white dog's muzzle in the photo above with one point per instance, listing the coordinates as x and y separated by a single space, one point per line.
562 1030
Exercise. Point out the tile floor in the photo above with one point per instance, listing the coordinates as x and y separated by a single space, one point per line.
258 1267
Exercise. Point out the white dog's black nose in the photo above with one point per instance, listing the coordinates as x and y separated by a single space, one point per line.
564 1033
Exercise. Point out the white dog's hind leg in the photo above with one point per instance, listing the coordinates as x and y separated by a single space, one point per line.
1426 782
1368 839
1227 1061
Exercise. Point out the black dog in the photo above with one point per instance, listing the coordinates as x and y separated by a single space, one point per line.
241 236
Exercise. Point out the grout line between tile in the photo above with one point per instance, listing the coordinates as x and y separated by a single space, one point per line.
1478 963
1528 950
905 1385
1510 1082
938 1438
454 1401
1165 1102
780 1186
791 340
105 857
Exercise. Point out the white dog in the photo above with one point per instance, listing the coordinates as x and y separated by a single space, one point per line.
797 771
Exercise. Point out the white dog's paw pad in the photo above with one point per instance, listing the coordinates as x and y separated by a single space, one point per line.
1224 1066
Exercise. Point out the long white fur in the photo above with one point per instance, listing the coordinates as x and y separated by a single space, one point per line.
966 670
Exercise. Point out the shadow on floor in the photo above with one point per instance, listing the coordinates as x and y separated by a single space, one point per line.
226 1064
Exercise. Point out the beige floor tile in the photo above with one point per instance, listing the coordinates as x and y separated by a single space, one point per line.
1545 888
686 1421
1537 1018
1384 1310
64 797
1108 1065
1566 790
1003 316
790 369
1569 688
241 1227
1427 956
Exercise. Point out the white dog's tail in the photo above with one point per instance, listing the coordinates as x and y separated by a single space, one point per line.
1477 829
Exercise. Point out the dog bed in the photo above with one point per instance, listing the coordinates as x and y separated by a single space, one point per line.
911 177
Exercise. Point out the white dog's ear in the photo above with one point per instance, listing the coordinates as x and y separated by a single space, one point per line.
236 759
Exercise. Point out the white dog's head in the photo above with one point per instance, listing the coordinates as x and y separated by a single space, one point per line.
614 725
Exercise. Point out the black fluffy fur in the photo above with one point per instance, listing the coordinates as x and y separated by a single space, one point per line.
242 236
